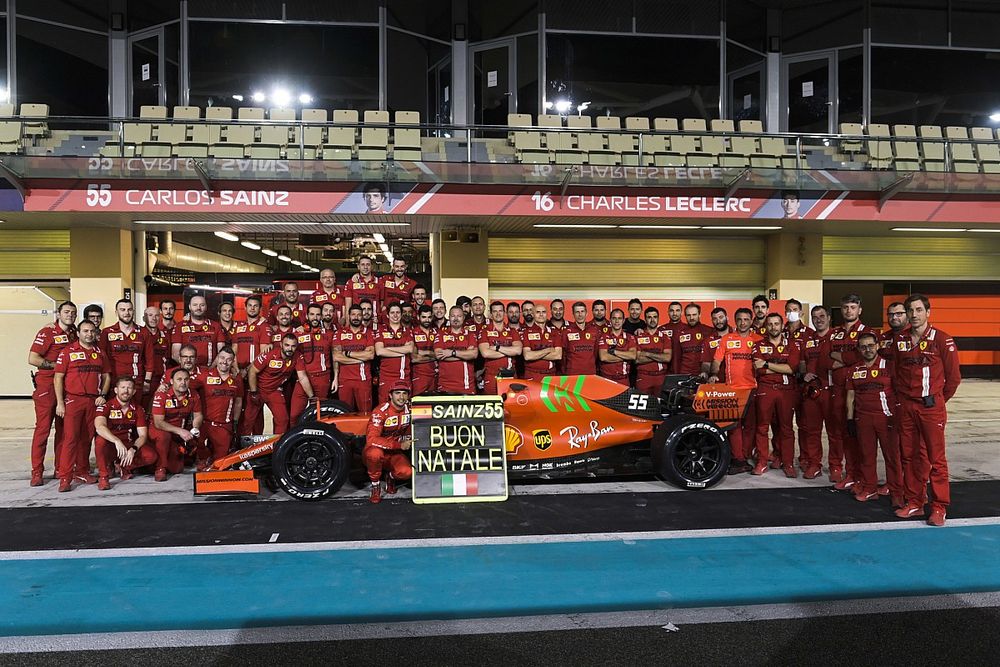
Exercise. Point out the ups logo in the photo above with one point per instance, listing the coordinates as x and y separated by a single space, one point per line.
543 439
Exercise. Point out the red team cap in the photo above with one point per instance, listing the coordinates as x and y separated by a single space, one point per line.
400 386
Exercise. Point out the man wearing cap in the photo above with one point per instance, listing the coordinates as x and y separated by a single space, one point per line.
387 441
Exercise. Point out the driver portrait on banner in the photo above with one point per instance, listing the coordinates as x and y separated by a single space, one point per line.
789 205
376 198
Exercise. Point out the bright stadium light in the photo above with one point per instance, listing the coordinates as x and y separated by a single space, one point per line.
305 98
238 98
250 244
562 106
995 117
378 238
284 258
227 236
281 97
269 252
258 96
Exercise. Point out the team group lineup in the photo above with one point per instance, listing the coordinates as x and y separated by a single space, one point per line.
166 393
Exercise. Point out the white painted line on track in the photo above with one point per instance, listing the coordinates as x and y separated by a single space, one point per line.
274 538
419 543
500 625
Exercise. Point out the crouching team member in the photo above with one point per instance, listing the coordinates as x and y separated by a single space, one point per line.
499 345
387 441
121 435
176 425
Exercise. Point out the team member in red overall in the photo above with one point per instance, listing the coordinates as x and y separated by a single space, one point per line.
616 350
690 340
927 376
221 393
870 405
394 347
653 356
353 351
499 345
720 327
842 350
176 427
267 377
49 342
670 329
199 331
160 339
296 308
541 346
121 435
330 293
579 339
761 307
363 286
81 381
424 361
776 360
250 337
130 349
799 334
387 441
735 350
816 406
396 286
226 322
315 357
455 350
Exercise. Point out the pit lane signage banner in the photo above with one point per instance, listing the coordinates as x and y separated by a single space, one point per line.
458 451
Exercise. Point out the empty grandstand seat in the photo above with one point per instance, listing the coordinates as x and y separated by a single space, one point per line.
739 148
236 138
690 146
557 142
851 146
211 133
406 140
527 145
273 138
987 149
643 155
10 130
904 146
312 136
374 140
963 158
618 143
774 154
37 126
879 152
340 139
662 146
932 147
152 144
587 141
186 119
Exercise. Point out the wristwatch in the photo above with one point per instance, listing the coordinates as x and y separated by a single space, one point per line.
454 352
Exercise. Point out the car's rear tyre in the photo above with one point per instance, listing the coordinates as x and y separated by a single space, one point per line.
690 452
311 463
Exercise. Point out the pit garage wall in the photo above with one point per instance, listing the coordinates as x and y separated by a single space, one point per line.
960 275
622 268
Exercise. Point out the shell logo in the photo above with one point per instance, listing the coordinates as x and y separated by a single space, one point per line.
512 439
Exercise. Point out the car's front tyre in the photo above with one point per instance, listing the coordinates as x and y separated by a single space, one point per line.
690 452
311 462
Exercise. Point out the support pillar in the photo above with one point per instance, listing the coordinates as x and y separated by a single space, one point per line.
460 267
795 267
100 267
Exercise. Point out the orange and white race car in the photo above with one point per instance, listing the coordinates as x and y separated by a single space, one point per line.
561 426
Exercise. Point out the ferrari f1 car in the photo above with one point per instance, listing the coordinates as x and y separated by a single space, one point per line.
562 426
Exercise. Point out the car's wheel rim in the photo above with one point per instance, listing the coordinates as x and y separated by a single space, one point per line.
697 455
310 465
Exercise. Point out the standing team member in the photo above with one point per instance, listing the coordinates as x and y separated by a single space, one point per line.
927 376
616 350
690 340
634 321
330 294
541 346
394 348
419 297
499 345
249 337
424 361
477 320
557 317
129 349
289 297
221 393
801 335
330 318
81 381
176 425
283 326
168 311
226 313
455 350
599 311
43 354
315 358
387 441
528 313
364 285
842 350
653 356
895 315
268 375
353 351
396 287
761 307
514 315
161 353
720 327
94 314
121 434
735 350
579 354
816 405
870 405
199 331
671 329
440 310
776 361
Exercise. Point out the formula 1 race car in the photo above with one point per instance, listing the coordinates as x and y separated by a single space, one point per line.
562 426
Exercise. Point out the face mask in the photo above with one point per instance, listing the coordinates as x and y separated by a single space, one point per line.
793 316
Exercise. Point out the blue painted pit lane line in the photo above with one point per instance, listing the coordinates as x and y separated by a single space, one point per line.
270 588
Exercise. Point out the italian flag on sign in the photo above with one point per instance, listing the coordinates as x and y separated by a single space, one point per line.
459 485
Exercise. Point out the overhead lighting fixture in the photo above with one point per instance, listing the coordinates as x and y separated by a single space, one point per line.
305 98
942 230
562 106
238 98
976 231
269 252
378 238
741 229
227 236
995 117
547 226
659 227
384 247
281 97
349 224
297 262
250 244
284 258
258 96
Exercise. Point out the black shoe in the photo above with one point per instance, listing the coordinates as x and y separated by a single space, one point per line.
737 467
